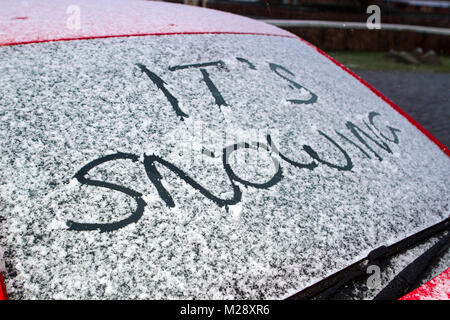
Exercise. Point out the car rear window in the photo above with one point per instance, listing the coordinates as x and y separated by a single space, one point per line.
199 166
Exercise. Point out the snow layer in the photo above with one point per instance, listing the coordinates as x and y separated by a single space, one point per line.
65 104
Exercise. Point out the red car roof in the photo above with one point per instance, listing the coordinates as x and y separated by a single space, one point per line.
41 21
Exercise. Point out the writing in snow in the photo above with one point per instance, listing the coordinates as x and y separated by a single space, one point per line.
365 138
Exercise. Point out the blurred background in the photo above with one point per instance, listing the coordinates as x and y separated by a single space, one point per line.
406 57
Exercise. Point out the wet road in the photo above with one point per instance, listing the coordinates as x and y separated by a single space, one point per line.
424 96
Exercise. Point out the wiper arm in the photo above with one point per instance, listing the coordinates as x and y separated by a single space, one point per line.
329 285
405 281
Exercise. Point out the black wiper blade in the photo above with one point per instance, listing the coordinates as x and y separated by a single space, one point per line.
406 280
329 285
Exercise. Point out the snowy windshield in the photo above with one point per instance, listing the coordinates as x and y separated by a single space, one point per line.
200 166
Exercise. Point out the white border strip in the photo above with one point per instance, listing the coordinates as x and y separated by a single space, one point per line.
356 25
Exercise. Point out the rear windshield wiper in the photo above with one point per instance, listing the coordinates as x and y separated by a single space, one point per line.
404 282
401 284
